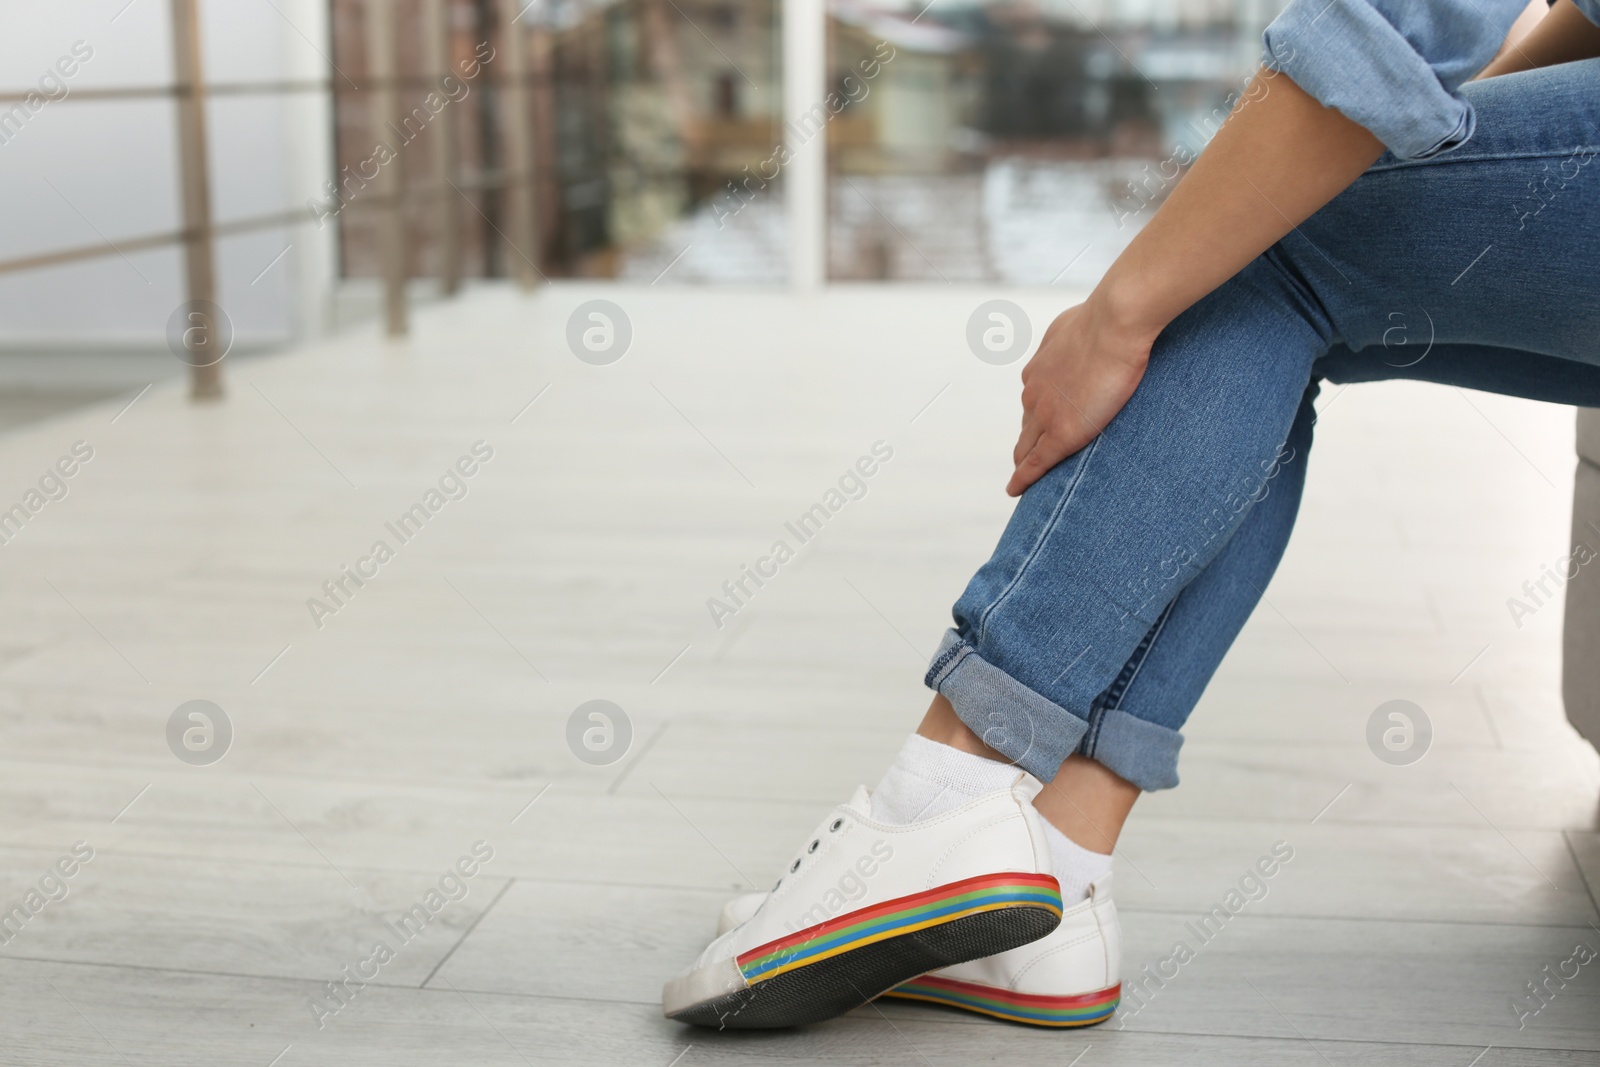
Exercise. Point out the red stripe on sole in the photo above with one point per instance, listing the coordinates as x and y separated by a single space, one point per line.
1035 1001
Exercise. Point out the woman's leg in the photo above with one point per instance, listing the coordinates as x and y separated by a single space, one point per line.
1101 546
1489 253
1092 794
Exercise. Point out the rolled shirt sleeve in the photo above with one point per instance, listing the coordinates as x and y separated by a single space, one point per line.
1394 66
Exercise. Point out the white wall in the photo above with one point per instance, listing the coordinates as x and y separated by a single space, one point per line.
115 161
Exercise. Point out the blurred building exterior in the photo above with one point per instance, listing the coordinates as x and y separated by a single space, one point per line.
1009 140
1017 141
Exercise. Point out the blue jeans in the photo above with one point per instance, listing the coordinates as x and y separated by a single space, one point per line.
1127 571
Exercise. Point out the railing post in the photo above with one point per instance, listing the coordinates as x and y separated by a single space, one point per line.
205 382
519 163
383 92
805 179
437 36
310 160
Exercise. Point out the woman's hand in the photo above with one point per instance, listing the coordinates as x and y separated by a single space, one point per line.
1280 156
1085 370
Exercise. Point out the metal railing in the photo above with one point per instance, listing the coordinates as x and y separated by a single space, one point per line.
392 195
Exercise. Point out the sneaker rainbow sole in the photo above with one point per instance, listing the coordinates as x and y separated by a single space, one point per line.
1084 1009
896 918
829 968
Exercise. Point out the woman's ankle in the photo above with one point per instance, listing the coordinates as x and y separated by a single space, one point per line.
942 724
1088 803
1086 800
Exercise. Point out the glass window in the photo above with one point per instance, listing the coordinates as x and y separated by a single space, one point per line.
1017 141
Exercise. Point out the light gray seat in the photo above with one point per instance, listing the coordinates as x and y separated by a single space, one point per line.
1580 639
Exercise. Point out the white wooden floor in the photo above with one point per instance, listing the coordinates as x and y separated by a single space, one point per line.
431 710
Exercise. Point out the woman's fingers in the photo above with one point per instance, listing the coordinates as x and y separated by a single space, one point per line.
1031 429
1042 436
1072 387
1046 452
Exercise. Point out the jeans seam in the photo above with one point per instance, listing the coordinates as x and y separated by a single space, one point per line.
1109 701
1142 653
1091 736
953 652
1487 157
981 628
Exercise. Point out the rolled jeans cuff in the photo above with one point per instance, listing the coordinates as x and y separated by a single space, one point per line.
1037 734
1142 752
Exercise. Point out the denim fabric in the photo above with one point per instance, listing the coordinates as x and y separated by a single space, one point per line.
1395 66
1126 571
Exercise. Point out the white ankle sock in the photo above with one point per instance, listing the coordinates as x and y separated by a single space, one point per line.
928 779
1076 867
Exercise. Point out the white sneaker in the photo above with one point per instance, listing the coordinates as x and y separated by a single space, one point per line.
866 906
1067 978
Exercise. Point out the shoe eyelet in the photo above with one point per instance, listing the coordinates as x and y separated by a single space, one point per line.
796 867
835 827
813 847
775 885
